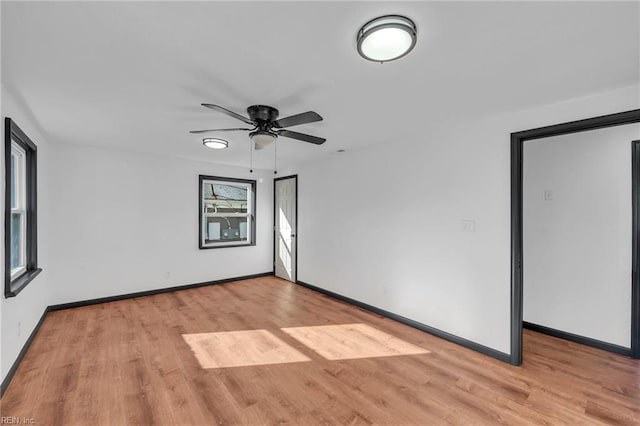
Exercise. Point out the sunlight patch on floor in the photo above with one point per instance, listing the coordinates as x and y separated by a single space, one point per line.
241 349
351 341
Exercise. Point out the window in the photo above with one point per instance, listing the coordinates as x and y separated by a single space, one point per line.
227 212
20 244
18 210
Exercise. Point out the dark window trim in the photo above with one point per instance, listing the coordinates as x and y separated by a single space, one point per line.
254 219
295 241
13 132
517 141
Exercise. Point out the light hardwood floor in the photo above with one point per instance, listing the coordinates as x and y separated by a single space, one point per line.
127 362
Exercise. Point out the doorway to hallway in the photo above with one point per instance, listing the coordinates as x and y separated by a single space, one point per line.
285 202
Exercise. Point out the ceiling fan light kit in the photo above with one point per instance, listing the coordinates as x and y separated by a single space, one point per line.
215 143
262 139
386 38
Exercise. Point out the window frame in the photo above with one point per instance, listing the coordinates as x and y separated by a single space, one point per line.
26 198
250 215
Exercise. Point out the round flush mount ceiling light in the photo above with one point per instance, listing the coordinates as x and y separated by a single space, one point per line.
215 143
386 38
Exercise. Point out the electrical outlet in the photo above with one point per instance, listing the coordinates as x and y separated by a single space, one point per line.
468 225
548 195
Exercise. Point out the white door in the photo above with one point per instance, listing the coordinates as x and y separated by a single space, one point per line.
285 227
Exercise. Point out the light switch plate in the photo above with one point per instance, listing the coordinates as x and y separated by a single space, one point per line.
468 225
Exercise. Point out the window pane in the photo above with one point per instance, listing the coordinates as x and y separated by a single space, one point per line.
225 198
223 229
16 240
14 185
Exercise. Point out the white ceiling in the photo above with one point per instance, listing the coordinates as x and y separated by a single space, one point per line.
132 75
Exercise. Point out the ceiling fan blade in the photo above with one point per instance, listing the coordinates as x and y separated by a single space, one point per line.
229 113
302 137
218 130
294 120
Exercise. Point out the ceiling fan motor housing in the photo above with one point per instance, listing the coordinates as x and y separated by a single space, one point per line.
262 113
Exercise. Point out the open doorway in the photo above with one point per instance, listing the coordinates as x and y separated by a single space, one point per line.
518 141
285 216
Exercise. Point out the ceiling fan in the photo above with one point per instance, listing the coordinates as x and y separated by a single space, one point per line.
266 126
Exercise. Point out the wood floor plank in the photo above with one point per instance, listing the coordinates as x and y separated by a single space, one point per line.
127 363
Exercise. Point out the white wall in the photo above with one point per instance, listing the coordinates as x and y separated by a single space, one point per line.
577 245
20 314
123 220
384 225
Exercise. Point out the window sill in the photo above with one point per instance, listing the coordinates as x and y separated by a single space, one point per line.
225 246
21 282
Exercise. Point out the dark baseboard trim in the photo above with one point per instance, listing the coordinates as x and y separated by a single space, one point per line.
501 356
25 348
587 341
152 292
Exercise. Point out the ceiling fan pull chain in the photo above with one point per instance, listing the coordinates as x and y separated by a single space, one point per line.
275 157
250 156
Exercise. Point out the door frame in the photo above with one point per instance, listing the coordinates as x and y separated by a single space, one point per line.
635 289
517 141
295 239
